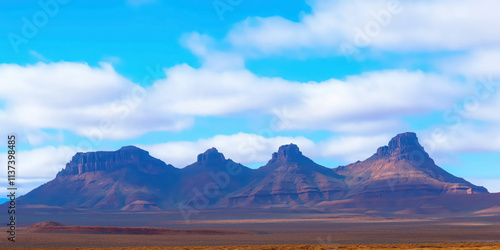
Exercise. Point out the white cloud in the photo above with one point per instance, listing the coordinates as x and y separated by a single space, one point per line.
37 166
198 44
464 137
38 56
471 125
98 103
114 60
242 148
479 64
203 46
95 102
493 185
373 101
207 92
254 148
381 24
43 162
352 148
38 137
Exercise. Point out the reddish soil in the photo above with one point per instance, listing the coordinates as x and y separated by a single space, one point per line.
55 227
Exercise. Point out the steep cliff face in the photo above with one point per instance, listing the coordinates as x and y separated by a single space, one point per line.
210 158
111 180
126 157
402 169
289 179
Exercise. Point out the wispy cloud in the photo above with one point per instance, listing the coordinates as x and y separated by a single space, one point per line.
38 56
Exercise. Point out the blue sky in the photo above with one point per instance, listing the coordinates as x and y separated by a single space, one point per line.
339 78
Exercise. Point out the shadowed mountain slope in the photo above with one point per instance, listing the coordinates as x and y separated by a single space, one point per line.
289 179
211 178
400 170
128 179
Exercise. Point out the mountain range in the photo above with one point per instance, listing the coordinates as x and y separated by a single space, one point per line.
398 176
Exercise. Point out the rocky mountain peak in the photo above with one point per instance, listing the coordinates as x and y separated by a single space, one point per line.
408 139
403 146
212 155
287 152
132 149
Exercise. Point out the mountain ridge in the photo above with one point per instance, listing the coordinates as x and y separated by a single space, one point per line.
131 179
289 178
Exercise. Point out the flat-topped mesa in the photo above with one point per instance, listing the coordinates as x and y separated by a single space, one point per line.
408 139
129 156
402 146
211 156
287 153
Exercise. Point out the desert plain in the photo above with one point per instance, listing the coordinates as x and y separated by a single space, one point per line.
254 229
